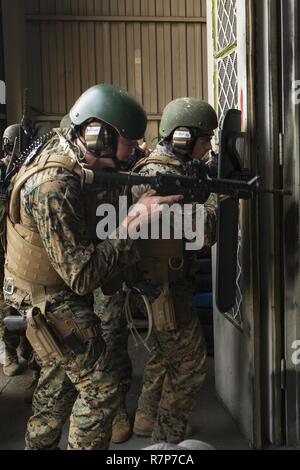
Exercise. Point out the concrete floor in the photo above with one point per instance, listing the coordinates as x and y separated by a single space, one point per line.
210 421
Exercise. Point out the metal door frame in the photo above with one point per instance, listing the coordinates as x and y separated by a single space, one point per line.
268 141
237 357
290 10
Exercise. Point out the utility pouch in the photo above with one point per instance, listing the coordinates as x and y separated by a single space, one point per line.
41 338
163 311
70 334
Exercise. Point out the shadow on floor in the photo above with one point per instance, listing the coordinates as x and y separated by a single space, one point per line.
210 421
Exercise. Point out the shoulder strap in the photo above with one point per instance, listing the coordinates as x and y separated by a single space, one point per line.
155 159
45 161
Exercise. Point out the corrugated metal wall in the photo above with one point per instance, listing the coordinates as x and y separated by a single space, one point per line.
156 49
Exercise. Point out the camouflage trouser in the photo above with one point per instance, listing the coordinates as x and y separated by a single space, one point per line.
84 385
11 339
110 310
174 375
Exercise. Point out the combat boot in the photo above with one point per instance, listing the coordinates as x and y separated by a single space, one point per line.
11 364
121 427
143 425
189 431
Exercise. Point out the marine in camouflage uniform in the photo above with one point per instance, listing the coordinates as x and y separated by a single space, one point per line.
175 370
14 339
113 323
51 204
11 339
52 208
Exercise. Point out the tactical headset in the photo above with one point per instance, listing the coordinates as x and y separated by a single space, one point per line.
100 139
184 138
8 146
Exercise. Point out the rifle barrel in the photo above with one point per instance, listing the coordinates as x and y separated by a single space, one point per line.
280 192
175 184
193 188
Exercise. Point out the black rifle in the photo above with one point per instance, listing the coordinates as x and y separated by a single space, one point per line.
233 183
196 187
26 128
3 193
22 143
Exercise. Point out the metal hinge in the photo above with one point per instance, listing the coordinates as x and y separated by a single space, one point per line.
283 374
281 136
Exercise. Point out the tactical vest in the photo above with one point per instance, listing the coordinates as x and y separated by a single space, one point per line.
158 254
161 159
27 265
162 261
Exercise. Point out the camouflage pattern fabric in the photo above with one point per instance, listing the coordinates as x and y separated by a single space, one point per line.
210 205
52 205
10 339
110 310
4 309
86 385
173 377
175 370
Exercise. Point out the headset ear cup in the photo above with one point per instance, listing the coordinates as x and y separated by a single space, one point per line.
100 139
183 139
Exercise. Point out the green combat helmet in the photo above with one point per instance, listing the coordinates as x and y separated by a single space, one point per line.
114 106
187 112
9 136
65 122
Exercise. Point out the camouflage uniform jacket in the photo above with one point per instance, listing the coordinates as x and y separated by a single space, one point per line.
210 206
53 205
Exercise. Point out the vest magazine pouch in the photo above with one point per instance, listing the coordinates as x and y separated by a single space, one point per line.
163 311
41 337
